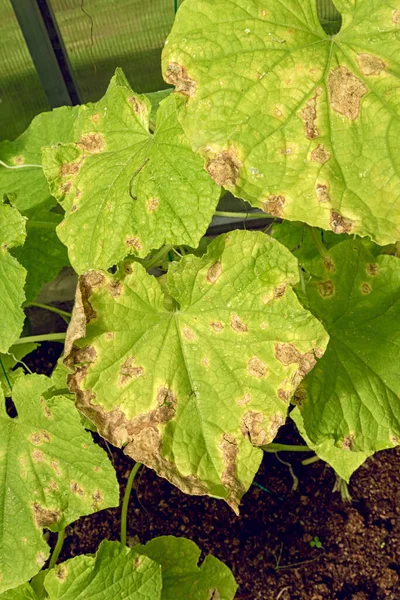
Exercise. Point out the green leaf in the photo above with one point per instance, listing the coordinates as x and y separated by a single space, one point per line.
352 395
192 391
12 276
22 592
147 189
300 124
8 372
51 473
345 463
114 572
181 575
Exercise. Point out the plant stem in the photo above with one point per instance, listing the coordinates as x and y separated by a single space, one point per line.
41 225
157 257
125 502
5 374
241 215
63 313
57 548
318 242
285 448
311 460
46 337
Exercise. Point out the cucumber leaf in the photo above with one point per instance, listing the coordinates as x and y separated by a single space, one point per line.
114 572
193 381
22 592
51 473
352 395
145 188
181 575
299 123
12 276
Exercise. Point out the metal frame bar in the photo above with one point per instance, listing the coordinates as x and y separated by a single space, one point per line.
46 47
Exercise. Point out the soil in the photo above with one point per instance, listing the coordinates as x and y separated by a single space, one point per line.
268 546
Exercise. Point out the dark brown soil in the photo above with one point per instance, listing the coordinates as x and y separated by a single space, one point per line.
268 546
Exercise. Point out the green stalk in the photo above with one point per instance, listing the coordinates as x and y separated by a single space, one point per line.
125 502
62 313
41 225
5 374
46 337
318 242
57 548
285 448
310 461
157 257
241 215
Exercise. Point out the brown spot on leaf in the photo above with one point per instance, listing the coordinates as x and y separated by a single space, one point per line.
138 107
214 272
65 188
370 64
36 438
320 155
299 396
288 354
46 411
110 335
275 423
152 204
115 288
253 427
340 224
44 517
19 160
329 264
93 143
257 368
229 448
244 400
224 168
326 288
346 92
40 559
70 168
188 333
76 489
134 243
97 497
178 76
279 290
205 361
95 118
74 208
309 115
55 465
322 193
61 572
284 395
216 326
373 269
396 17
128 371
274 205
38 456
238 325
366 288
347 442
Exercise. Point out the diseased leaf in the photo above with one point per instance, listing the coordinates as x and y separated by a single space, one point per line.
51 473
181 575
11 367
12 276
345 463
194 389
114 572
147 189
299 123
352 395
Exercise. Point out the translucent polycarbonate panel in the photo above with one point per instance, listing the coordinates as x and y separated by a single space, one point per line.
101 35
21 95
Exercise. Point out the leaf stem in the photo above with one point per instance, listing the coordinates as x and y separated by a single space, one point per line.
285 448
242 215
125 502
57 548
46 337
41 225
5 374
63 313
318 242
157 257
311 460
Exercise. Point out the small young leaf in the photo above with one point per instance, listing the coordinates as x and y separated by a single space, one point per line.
114 572
181 575
345 463
12 276
52 473
192 392
299 123
352 395
147 189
